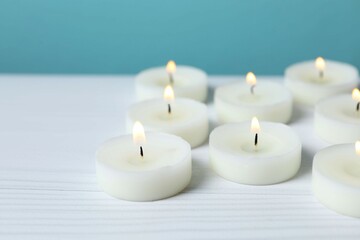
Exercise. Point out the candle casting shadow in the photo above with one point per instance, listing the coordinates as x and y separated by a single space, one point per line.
306 164
212 125
210 96
299 113
201 172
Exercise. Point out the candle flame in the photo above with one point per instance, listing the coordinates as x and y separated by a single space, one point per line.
356 94
169 93
255 126
171 67
320 63
357 147
251 79
138 133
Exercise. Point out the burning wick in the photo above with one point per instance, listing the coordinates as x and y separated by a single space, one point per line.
320 65
251 80
141 151
256 139
171 68
169 108
169 96
255 128
139 136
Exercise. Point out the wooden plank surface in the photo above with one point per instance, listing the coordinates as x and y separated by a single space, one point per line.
50 129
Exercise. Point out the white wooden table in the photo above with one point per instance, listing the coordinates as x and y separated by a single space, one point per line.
50 129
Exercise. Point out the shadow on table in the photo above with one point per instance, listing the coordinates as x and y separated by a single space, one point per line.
306 163
212 125
210 96
299 113
200 174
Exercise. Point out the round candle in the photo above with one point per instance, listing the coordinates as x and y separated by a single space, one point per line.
139 170
256 157
185 118
188 82
337 119
336 178
238 102
311 81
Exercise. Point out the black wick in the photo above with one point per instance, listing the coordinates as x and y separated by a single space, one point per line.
252 89
141 151
171 78
358 106
256 139
169 108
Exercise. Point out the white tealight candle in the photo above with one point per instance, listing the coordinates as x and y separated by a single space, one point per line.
311 81
188 82
336 178
139 170
337 119
238 102
256 157
185 118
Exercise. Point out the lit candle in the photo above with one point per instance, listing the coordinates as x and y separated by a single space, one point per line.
139 168
181 117
249 154
237 102
336 178
337 119
312 81
188 82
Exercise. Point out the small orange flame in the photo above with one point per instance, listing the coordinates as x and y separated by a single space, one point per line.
169 93
171 67
356 94
138 133
255 126
320 63
251 79
357 147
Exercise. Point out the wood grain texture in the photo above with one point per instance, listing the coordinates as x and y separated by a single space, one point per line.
50 129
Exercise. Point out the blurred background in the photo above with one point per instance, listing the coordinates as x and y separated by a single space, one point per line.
222 37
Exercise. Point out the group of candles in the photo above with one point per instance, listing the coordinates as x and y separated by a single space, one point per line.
252 146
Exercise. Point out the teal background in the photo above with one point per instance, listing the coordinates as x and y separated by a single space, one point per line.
222 37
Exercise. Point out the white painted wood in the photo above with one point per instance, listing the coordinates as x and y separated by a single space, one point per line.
50 128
